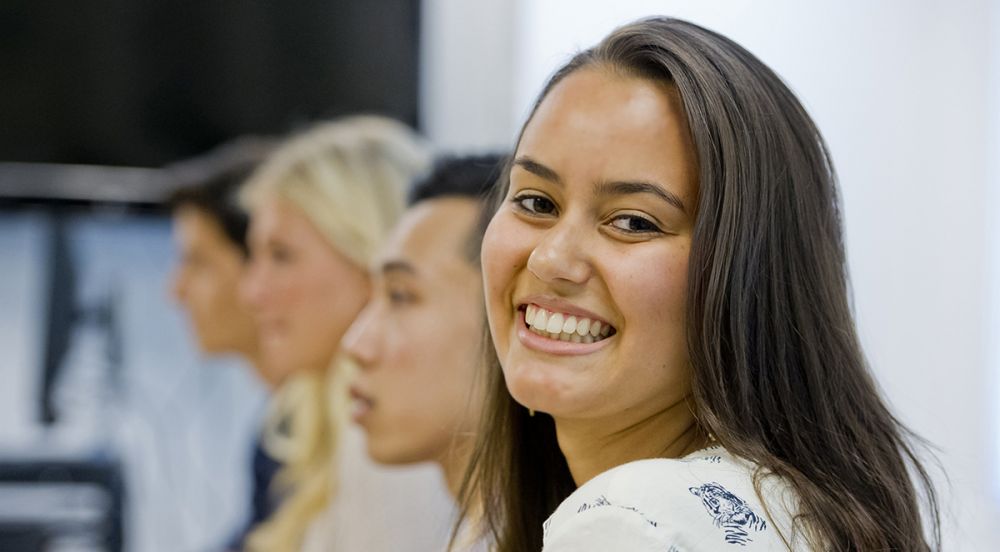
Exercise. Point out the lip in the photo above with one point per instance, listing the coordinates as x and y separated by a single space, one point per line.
361 405
553 304
533 341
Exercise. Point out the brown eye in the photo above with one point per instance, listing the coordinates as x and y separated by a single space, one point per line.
399 297
535 204
635 224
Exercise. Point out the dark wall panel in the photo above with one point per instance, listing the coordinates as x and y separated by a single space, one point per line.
146 82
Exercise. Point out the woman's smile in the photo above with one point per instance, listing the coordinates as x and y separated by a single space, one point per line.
557 327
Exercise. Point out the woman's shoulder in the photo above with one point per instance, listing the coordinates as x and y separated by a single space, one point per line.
704 501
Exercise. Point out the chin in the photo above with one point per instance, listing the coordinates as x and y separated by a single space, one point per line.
536 392
383 454
389 455
207 348
214 346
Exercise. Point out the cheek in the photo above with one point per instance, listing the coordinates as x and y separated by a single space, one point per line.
660 288
407 383
429 362
326 305
652 297
285 292
204 294
275 287
506 248
337 293
217 287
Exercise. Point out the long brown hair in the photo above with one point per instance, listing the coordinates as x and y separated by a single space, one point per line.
779 376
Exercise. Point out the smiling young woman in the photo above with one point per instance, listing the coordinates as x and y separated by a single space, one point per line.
665 287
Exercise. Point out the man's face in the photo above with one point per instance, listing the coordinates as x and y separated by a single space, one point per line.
205 284
417 342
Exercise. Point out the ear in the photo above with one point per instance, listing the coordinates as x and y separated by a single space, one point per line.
696 491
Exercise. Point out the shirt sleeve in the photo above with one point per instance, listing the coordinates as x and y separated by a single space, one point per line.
703 503
604 528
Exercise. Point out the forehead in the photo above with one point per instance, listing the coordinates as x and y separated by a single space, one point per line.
274 215
597 124
433 234
195 223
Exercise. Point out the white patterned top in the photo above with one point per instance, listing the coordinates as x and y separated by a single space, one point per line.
703 502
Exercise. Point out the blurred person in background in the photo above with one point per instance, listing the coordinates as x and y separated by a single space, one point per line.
417 343
320 206
210 231
209 228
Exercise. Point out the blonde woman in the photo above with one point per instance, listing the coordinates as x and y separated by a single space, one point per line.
320 206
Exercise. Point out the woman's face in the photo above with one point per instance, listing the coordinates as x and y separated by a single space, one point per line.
595 230
304 293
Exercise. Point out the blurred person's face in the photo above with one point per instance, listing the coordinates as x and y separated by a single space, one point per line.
417 341
303 292
206 284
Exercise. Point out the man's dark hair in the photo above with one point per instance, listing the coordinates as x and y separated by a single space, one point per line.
465 176
211 184
471 177
216 198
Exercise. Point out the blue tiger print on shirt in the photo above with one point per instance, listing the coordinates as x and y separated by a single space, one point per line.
730 512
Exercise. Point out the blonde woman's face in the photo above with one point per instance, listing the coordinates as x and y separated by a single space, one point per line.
595 230
302 291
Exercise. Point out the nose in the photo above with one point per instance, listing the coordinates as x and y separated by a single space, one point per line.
360 343
560 257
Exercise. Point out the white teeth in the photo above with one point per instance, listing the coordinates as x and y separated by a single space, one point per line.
555 323
569 326
541 319
564 327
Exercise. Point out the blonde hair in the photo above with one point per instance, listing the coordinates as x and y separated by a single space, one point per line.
349 177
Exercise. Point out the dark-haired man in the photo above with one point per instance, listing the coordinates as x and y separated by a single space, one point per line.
417 342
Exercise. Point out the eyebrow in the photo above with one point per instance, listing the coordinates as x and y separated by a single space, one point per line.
389 267
538 169
626 188
604 188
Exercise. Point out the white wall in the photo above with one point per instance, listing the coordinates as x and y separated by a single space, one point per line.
901 90
467 73
994 203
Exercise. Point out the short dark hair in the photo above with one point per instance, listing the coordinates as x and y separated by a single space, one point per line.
469 176
211 184
464 176
216 197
